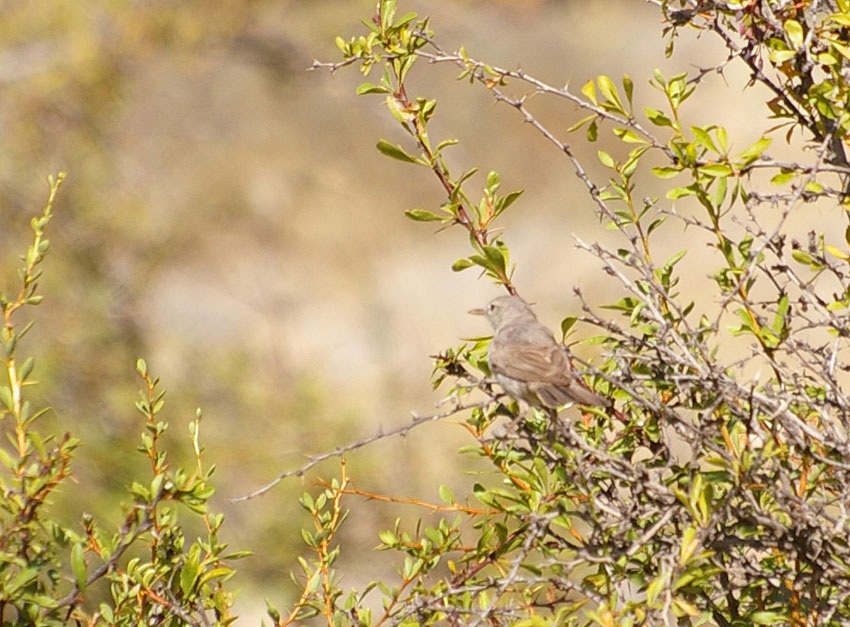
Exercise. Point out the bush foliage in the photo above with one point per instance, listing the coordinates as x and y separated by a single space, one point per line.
714 494
150 567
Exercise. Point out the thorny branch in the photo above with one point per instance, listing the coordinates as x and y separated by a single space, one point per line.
401 431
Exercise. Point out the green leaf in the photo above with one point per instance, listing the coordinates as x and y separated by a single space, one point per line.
665 172
825 58
423 215
780 321
189 572
371 88
781 56
657 117
803 257
606 159
722 139
630 166
398 110
581 123
609 90
23 578
629 136
768 618
589 90
680 192
456 187
396 152
457 266
406 19
427 108
844 51
26 368
387 537
386 12
6 397
656 586
107 613
629 87
703 138
783 177
795 33
78 566
716 170
840 18
722 186
496 256
755 151
813 187
675 258
681 607
446 495
445 144
510 199
689 543
222 572
6 459
567 324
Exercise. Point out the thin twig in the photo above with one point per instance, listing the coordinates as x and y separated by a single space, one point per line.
401 430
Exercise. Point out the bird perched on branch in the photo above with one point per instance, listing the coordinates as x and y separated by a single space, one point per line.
527 361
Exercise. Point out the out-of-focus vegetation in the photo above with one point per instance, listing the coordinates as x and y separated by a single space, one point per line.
194 223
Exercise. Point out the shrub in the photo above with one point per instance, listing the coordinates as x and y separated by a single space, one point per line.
149 567
716 492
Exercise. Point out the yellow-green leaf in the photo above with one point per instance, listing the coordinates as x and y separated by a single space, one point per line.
461 264
606 159
795 33
589 90
609 90
754 152
840 254
689 545
78 566
581 123
423 215
396 152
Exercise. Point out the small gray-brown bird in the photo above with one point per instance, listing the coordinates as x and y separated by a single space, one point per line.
527 361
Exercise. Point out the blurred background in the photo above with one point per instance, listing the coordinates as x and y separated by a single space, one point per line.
227 218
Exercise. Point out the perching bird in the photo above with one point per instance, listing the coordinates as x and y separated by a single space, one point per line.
527 361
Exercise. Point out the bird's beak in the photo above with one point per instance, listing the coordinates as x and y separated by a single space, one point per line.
477 312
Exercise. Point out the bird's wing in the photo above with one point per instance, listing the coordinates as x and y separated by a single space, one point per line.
529 362
551 395
531 356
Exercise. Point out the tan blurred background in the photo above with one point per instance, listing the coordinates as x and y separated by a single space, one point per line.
227 217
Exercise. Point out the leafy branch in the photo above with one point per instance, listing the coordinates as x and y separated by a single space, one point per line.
396 44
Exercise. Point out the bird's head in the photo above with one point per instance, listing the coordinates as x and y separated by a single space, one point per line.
506 310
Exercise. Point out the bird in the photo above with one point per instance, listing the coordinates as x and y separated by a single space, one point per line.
526 360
